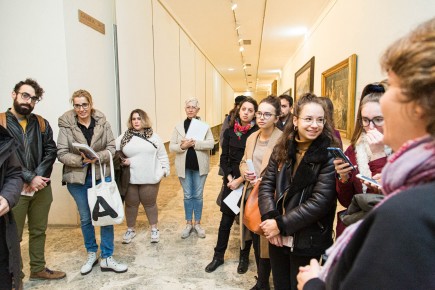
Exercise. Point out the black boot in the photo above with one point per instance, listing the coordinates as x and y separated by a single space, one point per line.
214 265
260 286
243 262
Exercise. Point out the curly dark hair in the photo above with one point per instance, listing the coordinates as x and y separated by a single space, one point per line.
30 82
236 115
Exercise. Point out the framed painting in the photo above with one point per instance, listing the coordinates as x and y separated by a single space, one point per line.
304 79
338 84
288 92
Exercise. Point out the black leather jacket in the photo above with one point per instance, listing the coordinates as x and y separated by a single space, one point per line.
304 204
37 152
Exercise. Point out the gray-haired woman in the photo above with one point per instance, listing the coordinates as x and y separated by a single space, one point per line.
192 163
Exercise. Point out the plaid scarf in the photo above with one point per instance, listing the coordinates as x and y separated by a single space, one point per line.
413 164
147 133
241 130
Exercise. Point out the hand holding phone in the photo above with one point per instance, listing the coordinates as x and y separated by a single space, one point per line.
338 153
369 180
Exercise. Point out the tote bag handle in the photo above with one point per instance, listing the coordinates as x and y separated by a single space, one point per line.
102 174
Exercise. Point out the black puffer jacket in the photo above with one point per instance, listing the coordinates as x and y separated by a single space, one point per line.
11 183
37 151
309 198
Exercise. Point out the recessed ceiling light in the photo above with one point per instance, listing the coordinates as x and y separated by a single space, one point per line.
296 31
234 6
241 48
231 69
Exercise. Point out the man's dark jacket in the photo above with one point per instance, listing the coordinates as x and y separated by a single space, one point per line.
37 151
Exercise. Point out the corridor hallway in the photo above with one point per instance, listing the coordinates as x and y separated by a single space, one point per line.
173 263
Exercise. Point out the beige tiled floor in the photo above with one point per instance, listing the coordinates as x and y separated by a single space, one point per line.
173 263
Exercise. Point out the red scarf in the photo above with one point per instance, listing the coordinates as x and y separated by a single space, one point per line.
241 130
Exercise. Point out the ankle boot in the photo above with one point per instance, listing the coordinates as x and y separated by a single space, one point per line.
243 262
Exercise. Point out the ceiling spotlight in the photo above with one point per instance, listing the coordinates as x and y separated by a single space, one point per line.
233 6
244 66
237 26
241 48
240 39
231 69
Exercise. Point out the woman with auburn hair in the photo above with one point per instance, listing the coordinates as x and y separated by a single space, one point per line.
242 125
297 197
144 153
397 237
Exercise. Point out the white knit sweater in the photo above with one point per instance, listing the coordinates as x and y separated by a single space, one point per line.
148 165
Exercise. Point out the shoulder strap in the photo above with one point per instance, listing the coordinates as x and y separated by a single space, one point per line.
41 122
3 121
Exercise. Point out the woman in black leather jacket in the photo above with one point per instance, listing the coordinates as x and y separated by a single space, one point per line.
298 219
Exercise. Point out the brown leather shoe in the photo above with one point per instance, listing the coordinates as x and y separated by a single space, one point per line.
47 274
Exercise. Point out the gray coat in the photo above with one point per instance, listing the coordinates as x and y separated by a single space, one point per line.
11 184
69 132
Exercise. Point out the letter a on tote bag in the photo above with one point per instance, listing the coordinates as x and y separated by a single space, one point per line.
104 199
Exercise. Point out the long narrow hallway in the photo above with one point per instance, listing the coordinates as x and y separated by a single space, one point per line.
173 263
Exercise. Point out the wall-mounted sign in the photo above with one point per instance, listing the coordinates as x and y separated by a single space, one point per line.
93 23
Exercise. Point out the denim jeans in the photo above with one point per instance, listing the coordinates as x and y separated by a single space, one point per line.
80 194
193 187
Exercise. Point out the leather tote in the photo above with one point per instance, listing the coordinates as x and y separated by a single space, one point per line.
251 213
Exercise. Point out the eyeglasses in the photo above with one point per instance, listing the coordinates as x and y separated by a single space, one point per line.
26 97
265 115
310 120
377 121
85 106
191 108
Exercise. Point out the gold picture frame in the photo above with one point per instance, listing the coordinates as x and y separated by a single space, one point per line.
338 84
304 79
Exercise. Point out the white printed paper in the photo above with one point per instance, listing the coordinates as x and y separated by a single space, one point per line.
233 199
197 130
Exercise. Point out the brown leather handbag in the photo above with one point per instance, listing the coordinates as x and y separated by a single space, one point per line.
251 213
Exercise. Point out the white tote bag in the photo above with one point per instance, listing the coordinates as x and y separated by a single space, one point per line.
104 199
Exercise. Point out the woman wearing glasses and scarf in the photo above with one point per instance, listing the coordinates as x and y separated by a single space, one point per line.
367 150
393 247
143 152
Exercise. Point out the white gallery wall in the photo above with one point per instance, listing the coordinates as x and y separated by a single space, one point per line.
166 66
363 27
44 40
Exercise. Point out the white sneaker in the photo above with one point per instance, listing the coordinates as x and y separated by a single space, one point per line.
128 236
155 236
186 232
91 262
110 264
200 231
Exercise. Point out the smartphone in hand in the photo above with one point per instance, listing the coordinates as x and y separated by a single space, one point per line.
369 180
338 153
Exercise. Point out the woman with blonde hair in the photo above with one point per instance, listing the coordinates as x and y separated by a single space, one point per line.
86 125
144 153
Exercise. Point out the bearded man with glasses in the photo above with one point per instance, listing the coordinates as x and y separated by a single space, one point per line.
37 154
